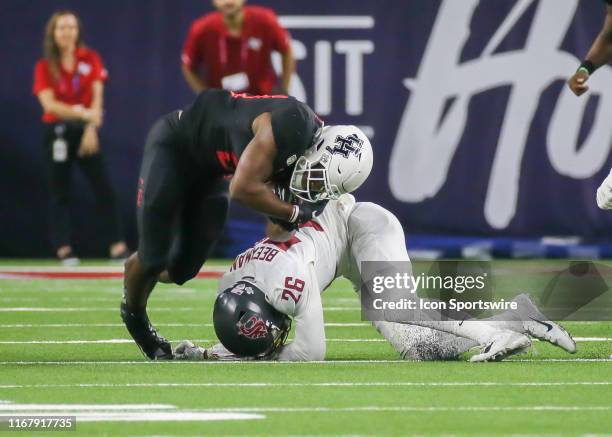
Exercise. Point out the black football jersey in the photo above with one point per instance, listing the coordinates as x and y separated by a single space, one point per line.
217 128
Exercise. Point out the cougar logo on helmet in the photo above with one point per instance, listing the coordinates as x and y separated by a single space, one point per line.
253 328
345 145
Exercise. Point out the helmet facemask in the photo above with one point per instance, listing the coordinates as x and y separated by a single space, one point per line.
278 334
310 181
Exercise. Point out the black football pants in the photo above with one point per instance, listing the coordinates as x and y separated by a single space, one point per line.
181 208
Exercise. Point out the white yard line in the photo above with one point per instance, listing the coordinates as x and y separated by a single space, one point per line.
120 412
173 325
171 416
97 309
117 268
205 340
311 384
197 340
279 363
4 408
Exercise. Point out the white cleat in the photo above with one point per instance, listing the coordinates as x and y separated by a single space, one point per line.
536 325
501 345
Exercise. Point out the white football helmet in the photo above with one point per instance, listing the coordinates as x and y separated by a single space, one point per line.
339 162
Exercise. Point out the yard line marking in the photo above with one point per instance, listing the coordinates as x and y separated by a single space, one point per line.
173 416
205 340
82 407
96 269
96 309
312 384
376 408
173 325
200 340
121 413
276 363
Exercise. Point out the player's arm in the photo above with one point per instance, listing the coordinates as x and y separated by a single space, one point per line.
255 168
196 83
309 341
599 54
66 112
90 143
288 69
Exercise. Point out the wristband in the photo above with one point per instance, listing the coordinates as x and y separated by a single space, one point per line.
294 214
587 66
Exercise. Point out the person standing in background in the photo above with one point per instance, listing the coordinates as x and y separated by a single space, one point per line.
68 82
231 49
599 54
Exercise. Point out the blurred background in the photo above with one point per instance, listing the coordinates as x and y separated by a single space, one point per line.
480 148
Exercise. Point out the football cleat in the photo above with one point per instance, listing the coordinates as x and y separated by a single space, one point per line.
535 324
501 345
152 345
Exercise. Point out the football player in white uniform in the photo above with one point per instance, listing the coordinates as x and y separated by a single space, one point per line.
274 280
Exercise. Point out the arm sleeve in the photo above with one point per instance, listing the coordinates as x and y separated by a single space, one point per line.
280 36
309 341
42 80
192 52
99 71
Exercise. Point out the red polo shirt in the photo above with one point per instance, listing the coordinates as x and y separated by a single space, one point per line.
210 49
73 87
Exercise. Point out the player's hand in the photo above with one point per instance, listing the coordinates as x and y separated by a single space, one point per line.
188 351
604 193
283 192
577 82
309 210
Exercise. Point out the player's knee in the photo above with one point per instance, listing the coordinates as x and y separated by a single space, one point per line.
318 353
179 274
150 266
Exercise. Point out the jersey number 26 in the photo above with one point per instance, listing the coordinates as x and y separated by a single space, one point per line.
293 285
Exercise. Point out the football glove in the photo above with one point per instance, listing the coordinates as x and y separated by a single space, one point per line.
188 351
604 193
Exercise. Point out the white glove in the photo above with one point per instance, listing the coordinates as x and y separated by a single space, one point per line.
604 193
186 350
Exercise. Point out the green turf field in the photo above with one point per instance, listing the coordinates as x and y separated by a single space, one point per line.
62 342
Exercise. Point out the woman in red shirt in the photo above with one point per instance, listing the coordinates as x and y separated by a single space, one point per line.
68 82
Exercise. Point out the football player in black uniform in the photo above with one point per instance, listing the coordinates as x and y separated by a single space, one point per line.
183 189
599 54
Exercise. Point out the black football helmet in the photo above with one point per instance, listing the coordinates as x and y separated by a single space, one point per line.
246 324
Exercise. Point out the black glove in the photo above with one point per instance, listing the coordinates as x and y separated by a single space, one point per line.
283 192
308 211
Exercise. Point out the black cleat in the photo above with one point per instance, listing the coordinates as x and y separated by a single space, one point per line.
153 345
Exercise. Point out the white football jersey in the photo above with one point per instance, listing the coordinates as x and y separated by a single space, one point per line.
311 256
293 273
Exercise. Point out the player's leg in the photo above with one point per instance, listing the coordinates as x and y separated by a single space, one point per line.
376 235
201 224
423 344
160 195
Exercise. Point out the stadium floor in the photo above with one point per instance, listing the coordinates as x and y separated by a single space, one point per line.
65 351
